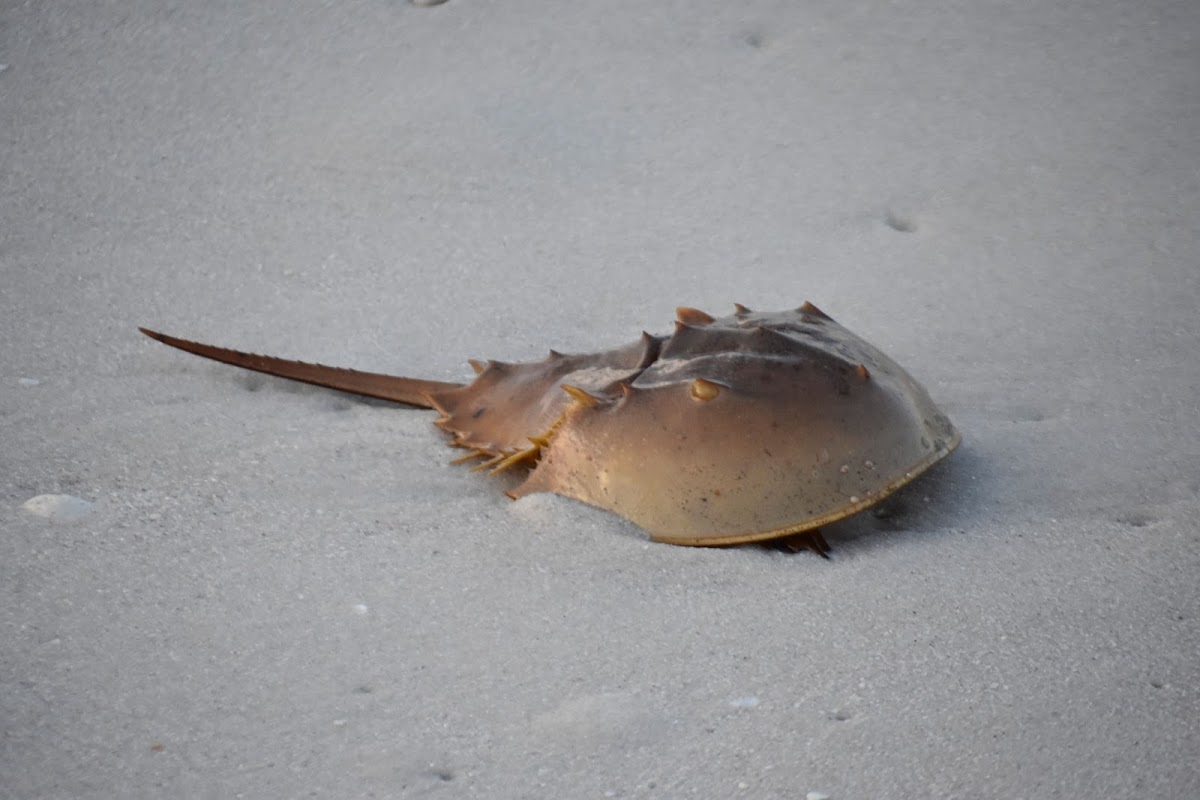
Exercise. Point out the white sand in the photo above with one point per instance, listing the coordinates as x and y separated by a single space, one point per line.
284 592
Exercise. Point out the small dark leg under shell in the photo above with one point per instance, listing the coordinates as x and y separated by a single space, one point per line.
798 542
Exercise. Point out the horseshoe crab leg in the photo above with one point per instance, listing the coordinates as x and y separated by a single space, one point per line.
411 391
808 540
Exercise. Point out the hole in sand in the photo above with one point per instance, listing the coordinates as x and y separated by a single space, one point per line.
251 382
900 221
1137 519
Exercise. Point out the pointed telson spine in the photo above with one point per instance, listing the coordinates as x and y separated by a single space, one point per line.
740 310
477 365
394 388
862 372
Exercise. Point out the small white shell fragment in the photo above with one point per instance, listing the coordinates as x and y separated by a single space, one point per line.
749 701
360 608
28 381
57 507
816 796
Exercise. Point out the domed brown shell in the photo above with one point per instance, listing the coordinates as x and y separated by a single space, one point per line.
750 427
746 428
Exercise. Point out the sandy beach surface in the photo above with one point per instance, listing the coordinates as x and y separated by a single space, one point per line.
215 584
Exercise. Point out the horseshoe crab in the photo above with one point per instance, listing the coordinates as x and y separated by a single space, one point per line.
745 428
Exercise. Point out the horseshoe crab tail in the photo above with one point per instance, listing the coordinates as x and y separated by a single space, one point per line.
411 391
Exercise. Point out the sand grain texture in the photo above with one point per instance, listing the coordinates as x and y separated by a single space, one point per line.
281 592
